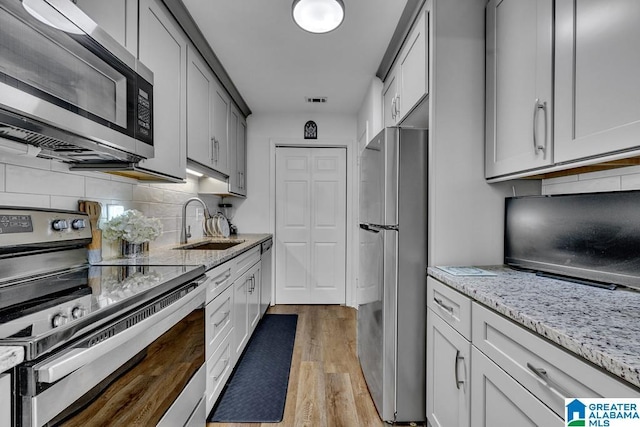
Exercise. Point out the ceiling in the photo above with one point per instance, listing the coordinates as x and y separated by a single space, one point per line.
275 65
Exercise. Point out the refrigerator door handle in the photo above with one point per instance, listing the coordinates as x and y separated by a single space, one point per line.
369 228
388 227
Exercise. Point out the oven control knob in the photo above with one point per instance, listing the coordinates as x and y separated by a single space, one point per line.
58 320
78 312
78 224
60 224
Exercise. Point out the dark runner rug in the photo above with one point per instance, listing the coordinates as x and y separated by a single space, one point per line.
257 389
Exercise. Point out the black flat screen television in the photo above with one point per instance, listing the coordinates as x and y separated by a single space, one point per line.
594 237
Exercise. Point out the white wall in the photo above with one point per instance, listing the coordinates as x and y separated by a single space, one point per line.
252 214
610 180
465 213
34 182
256 212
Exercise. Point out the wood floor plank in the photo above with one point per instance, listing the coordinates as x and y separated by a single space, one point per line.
340 401
310 401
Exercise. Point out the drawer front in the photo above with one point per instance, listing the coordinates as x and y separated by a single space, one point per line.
219 368
549 372
219 315
498 400
452 306
220 278
245 260
5 400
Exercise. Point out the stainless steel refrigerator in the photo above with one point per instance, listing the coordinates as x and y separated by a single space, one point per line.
393 261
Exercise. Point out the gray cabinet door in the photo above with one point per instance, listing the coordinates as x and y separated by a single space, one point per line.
163 48
519 103
597 84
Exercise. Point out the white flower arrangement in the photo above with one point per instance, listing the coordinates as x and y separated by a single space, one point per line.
133 227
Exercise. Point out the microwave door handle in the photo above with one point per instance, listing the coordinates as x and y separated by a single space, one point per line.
140 335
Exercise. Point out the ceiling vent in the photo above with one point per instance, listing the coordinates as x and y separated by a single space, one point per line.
316 100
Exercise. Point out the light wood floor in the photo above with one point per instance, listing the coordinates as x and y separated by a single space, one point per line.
326 386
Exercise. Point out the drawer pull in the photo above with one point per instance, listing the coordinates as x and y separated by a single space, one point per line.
226 315
222 278
459 358
225 362
442 305
542 374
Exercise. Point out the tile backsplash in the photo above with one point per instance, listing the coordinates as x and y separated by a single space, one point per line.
34 182
619 179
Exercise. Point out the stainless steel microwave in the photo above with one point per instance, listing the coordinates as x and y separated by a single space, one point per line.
69 88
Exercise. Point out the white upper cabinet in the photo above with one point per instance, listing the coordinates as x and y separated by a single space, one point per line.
597 84
519 73
237 152
390 98
199 89
413 67
163 48
119 18
407 82
207 114
220 105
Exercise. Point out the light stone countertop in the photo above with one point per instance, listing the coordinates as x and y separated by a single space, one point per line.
167 255
600 325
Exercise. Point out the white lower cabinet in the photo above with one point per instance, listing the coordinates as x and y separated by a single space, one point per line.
232 313
246 307
219 367
499 401
550 373
448 374
253 305
510 375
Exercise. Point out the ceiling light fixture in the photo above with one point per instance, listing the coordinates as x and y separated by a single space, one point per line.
318 16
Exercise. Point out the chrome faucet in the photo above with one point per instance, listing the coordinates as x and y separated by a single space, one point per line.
184 235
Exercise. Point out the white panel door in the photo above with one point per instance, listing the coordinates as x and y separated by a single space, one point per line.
310 225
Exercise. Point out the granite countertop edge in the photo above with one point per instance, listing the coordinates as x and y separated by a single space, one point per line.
613 355
173 255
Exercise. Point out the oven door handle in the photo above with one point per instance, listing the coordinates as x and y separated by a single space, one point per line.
140 335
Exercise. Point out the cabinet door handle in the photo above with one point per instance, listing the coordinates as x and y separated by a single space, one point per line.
225 362
222 278
224 317
393 108
213 150
397 105
537 147
542 374
443 306
459 358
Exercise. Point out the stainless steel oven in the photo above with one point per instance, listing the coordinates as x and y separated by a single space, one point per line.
69 88
82 327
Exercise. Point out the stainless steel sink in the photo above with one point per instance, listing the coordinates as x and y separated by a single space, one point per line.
211 246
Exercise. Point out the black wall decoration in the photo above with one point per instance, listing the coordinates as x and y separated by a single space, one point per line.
310 130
